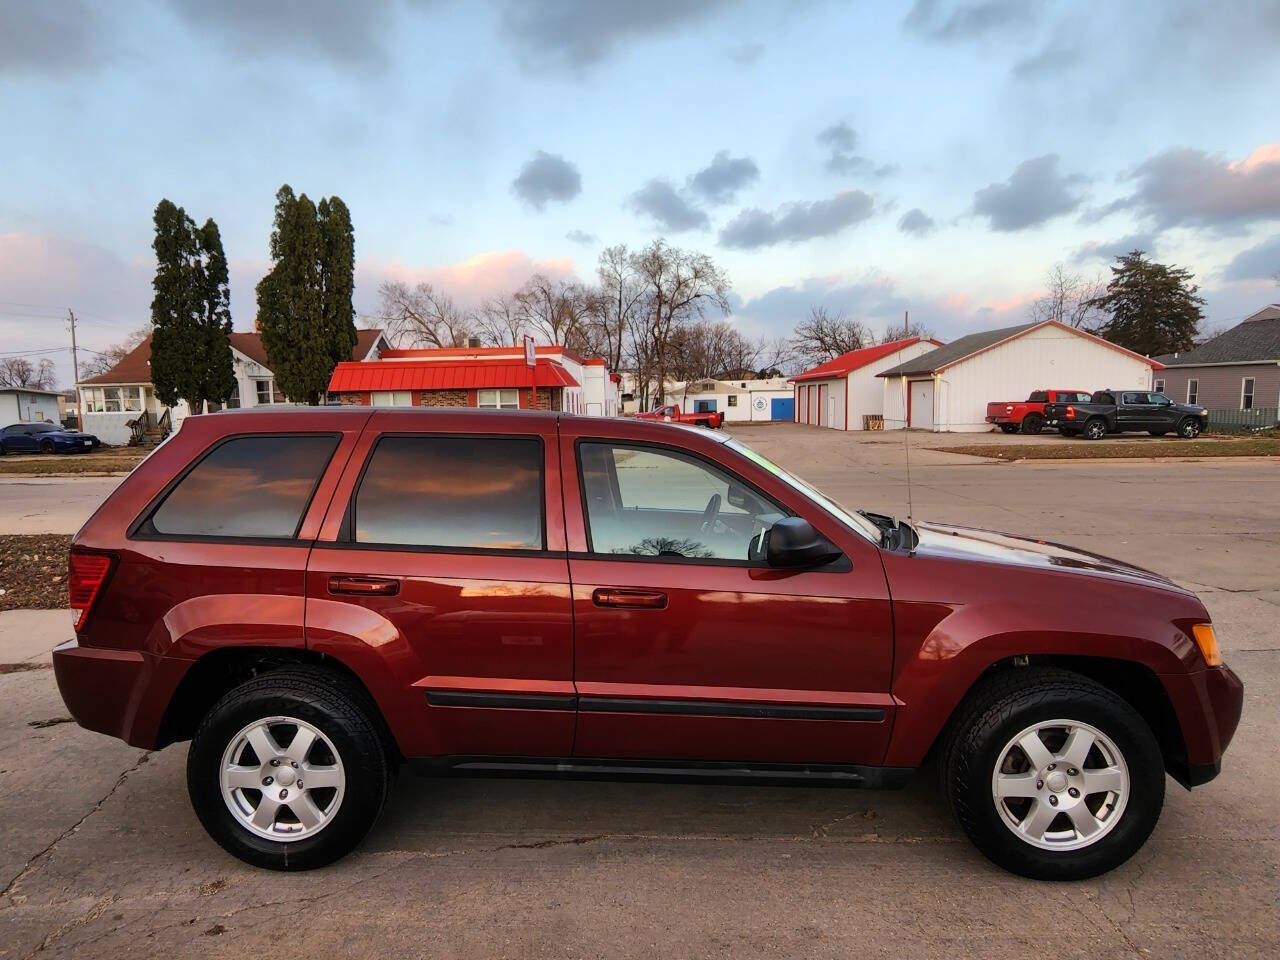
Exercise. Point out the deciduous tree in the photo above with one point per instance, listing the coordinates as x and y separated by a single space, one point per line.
824 335
422 316
20 372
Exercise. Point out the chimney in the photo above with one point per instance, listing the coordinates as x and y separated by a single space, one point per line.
473 342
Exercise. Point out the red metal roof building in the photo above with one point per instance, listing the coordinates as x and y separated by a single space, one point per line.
844 394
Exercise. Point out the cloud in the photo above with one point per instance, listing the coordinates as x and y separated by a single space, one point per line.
916 222
1034 193
841 139
1261 262
1186 187
745 54
794 222
1093 250
661 201
576 34
545 178
344 33
582 237
1052 60
469 281
957 22
720 180
50 37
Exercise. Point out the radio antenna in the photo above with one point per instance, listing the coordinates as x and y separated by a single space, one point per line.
906 451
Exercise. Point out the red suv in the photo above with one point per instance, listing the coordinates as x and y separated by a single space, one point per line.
313 596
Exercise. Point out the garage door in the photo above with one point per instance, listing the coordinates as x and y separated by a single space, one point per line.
921 404
782 408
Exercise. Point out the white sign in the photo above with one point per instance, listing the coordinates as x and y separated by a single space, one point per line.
530 352
758 403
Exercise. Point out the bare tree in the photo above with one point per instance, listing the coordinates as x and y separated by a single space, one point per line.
19 372
618 299
907 329
824 335
422 316
554 309
1071 299
500 320
104 360
679 287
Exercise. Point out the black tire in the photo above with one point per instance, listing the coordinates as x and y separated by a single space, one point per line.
1095 429
46 446
1008 704
1008 428
1157 433
1189 428
343 714
1032 424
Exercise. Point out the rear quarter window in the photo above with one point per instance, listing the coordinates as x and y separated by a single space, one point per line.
245 488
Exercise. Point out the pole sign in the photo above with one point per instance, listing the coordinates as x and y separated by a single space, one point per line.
530 352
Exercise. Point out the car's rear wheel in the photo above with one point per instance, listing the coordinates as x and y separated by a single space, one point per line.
1053 776
1008 428
1095 429
1189 428
288 771
1032 424
46 446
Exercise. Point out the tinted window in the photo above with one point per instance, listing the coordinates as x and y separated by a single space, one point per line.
248 487
648 502
43 428
483 492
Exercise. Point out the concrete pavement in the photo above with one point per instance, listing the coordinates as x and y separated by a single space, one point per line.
100 854
30 504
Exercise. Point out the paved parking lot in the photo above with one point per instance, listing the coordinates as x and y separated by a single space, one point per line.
100 854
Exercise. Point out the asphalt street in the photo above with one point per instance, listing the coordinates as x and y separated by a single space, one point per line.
101 856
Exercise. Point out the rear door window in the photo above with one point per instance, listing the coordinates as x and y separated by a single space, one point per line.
475 493
253 488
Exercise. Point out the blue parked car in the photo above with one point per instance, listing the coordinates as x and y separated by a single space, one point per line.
45 438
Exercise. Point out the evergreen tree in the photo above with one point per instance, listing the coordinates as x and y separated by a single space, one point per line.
1150 308
190 313
305 314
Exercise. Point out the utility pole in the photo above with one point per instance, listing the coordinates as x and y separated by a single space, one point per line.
906 324
75 370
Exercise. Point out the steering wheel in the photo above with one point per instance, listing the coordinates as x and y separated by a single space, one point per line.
710 513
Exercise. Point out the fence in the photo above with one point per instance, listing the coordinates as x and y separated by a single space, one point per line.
1260 418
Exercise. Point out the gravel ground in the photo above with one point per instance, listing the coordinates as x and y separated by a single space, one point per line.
33 571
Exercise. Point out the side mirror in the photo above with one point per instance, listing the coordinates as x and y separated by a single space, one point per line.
794 543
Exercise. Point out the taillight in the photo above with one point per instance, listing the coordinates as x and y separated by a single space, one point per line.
86 574
1071 413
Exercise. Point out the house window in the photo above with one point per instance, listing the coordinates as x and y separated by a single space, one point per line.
233 401
111 399
498 399
1159 386
263 388
1193 391
391 398
733 399
1246 393
131 398
91 398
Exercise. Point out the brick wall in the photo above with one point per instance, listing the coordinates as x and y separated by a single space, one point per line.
444 398
355 399
549 398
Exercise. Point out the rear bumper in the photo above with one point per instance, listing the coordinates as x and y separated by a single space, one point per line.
122 693
1208 704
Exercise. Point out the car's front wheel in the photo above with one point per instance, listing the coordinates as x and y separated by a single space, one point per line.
1053 776
287 771
46 446
1189 428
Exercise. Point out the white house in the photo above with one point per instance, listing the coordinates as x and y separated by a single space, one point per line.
111 402
766 398
29 405
842 393
949 388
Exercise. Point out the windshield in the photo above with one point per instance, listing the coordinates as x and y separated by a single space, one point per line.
850 519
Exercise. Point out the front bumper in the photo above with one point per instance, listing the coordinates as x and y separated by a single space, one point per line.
122 693
1208 704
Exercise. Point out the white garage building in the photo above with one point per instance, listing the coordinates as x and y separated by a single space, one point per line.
841 392
948 388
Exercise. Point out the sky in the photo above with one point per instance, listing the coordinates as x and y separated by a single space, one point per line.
938 157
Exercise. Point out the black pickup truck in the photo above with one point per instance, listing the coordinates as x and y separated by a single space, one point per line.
1120 411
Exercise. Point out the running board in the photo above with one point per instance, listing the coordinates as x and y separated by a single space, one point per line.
851 775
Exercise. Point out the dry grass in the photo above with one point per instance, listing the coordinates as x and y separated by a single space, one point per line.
1253 446
103 462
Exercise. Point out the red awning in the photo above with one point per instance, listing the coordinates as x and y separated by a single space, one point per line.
471 375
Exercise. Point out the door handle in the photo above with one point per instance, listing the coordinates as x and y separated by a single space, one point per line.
365 586
629 599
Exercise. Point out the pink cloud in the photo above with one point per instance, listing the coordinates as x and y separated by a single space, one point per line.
467 281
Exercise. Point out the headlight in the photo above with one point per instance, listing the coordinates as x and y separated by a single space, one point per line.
1207 641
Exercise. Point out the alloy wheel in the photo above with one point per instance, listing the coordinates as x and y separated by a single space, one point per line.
282 779
1060 785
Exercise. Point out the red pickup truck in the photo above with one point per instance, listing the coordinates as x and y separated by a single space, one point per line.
1027 415
711 419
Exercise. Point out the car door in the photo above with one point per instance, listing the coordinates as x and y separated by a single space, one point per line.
688 645
24 441
1165 415
441 574
1135 412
